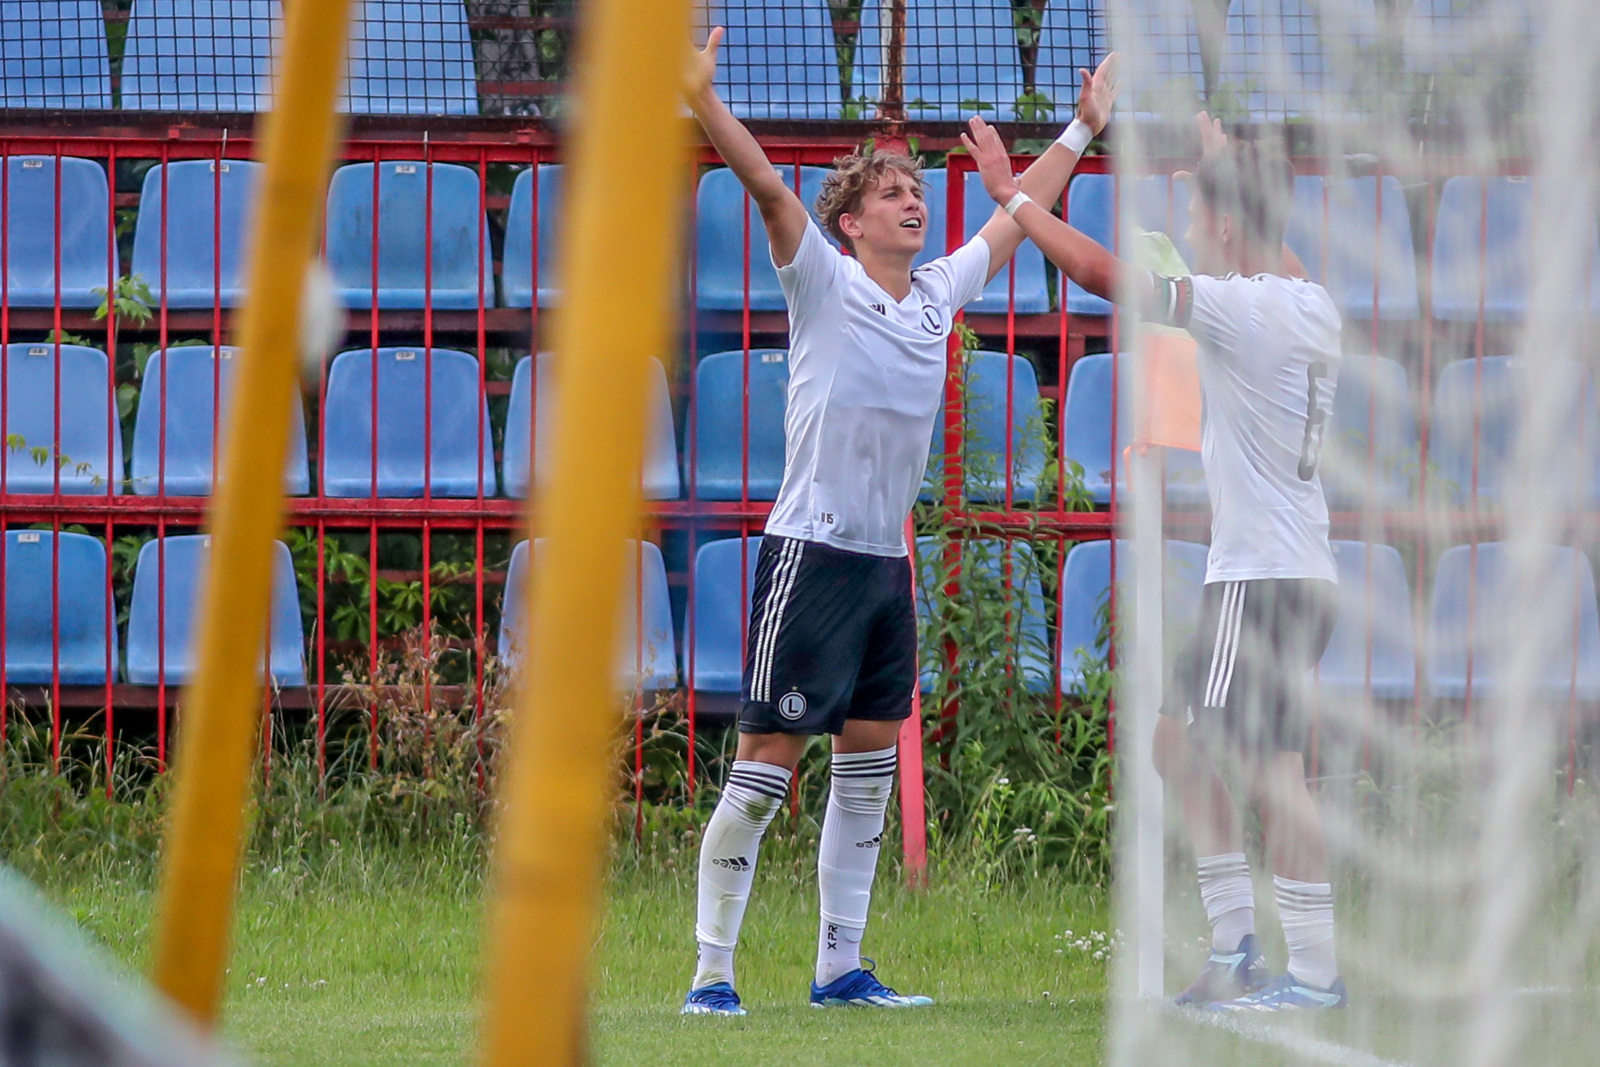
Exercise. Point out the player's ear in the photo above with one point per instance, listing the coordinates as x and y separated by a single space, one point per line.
849 225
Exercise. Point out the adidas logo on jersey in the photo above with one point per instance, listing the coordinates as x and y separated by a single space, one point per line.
878 308
732 863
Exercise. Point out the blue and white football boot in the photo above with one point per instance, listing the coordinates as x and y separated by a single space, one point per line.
1286 993
861 988
717 998
1228 975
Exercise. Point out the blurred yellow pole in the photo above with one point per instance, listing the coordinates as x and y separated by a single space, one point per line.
217 736
624 214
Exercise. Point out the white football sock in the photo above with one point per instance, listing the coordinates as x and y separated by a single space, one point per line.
847 860
1230 901
1306 911
750 799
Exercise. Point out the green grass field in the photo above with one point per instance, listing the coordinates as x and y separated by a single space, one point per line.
375 962
372 959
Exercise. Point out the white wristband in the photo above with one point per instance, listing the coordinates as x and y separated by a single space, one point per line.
1013 205
1076 137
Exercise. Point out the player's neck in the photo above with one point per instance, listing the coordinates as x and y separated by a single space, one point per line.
891 270
1249 262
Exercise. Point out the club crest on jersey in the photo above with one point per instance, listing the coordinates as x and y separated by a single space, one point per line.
792 705
931 320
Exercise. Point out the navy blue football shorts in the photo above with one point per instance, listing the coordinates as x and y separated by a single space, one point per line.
833 636
1244 681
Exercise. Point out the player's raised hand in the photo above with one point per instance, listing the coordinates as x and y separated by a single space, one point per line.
1212 135
701 69
994 163
1098 93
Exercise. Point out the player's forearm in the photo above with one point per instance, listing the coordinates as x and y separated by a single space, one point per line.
781 211
1047 175
1081 258
739 149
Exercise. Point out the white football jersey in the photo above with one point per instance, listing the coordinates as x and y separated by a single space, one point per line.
1269 361
866 380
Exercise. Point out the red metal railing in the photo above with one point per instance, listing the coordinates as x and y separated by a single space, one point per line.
1055 339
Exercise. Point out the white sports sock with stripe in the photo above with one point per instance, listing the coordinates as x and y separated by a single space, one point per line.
1306 911
1229 898
750 799
847 860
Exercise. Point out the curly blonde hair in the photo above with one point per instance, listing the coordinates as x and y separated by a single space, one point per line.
852 177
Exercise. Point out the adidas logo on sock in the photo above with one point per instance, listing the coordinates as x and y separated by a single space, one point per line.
733 863
874 843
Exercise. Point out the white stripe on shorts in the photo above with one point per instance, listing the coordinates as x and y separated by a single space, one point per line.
783 578
1226 647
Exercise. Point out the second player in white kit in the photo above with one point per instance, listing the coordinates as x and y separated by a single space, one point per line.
1268 350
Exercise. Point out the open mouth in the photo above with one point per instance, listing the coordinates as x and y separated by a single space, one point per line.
911 224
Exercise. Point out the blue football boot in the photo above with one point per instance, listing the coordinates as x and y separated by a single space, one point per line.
1286 993
1228 975
717 998
861 988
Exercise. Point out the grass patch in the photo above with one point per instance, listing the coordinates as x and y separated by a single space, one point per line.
372 957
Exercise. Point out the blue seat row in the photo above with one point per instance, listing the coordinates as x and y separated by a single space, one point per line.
406 56
1370 451
68 631
56 612
1353 235
1370 455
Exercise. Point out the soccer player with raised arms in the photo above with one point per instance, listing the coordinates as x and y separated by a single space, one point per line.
833 639
1268 354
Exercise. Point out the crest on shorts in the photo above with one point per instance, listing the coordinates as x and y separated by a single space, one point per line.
792 705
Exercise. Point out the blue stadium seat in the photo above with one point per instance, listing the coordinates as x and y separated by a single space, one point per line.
88 259
1165 75
719 428
721 612
656 653
200 55
1087 435
410 57
985 463
1158 204
777 60
53 55
80 611
1474 612
460 236
460 426
1085 580
1347 242
192 186
162 643
1031 290
1380 616
1372 394
1491 411
661 449
721 211
961 60
517 274
87 419
192 383
985 557
1481 250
